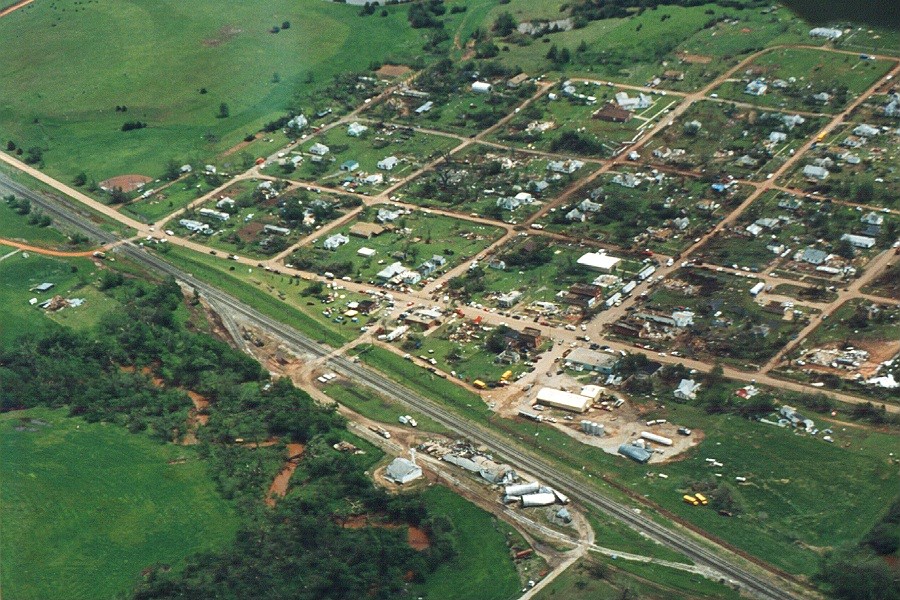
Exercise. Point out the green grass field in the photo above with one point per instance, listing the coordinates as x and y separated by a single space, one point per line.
483 568
16 227
88 506
73 278
75 62
375 406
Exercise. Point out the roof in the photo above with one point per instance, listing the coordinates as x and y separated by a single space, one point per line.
564 400
635 453
402 470
611 112
591 357
595 260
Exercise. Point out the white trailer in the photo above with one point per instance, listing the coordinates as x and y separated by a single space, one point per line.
656 438
545 499
560 497
756 289
613 299
646 273
522 489
629 287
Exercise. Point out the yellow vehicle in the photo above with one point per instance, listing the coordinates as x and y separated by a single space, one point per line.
690 500
820 137
479 384
506 376
702 499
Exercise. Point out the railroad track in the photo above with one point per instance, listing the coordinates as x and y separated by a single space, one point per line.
66 213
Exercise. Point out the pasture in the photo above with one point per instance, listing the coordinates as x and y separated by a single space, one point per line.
88 506
75 62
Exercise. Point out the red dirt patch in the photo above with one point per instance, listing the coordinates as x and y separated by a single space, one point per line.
393 70
225 34
696 59
249 231
239 146
417 539
279 486
127 183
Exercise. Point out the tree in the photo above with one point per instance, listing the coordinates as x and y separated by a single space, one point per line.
286 25
173 170
117 196
80 179
504 25
223 111
34 155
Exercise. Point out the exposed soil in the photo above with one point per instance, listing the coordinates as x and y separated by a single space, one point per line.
225 34
417 538
239 146
43 251
279 486
249 231
696 59
127 183
14 7
393 71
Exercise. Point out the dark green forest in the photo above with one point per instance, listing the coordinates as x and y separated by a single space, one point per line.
296 549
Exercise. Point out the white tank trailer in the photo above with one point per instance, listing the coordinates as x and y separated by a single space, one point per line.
656 438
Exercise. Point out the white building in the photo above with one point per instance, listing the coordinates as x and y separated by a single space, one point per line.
356 129
319 149
687 389
335 241
402 470
563 400
388 163
599 262
481 87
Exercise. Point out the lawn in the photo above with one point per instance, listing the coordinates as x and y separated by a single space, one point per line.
843 76
375 406
415 237
483 568
542 124
88 506
14 226
649 215
600 578
62 88
413 150
175 196
72 278
261 290
718 137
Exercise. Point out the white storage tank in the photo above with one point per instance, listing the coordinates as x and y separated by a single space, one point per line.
545 499
656 438
522 489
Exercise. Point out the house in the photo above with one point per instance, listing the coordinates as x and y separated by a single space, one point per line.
539 186
687 389
757 87
385 215
275 229
524 197
356 129
366 230
613 114
185 169
672 75
790 203
411 277
584 295
575 215
335 241
425 108
813 256
517 81
481 87
791 121
216 214
298 122
858 241
508 203
388 163
776 137
431 265
588 206
194 226
591 360
865 130
639 102
681 223
564 166
319 149
402 471
626 180
530 337
826 32
509 300
597 261
349 166
374 179
892 108
822 97
225 202
683 318
814 172
391 271
872 218
790 414
366 252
